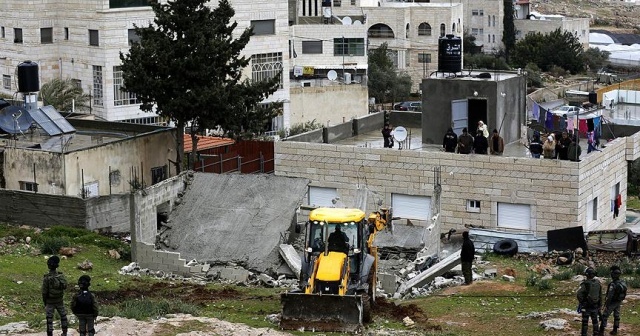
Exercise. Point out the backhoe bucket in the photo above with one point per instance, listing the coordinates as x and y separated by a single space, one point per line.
326 312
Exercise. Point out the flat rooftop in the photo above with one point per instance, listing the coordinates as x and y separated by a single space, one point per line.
374 139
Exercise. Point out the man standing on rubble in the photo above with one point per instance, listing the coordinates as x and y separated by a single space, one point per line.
616 292
466 257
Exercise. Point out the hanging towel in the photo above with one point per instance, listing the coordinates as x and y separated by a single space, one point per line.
556 121
543 116
582 127
571 123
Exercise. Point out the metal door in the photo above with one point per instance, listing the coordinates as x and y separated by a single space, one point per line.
459 115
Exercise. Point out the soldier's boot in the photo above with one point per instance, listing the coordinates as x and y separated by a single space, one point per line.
614 331
49 332
64 332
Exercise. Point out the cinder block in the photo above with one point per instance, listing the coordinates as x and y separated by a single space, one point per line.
195 269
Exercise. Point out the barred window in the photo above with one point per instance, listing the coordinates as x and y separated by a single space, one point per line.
266 66
424 58
97 85
312 47
94 37
132 36
424 29
121 97
6 82
46 35
348 47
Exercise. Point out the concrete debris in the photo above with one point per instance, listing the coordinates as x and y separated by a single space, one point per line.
510 272
292 258
554 324
27 240
85 265
508 278
192 262
408 322
14 328
113 254
273 318
267 280
548 314
491 272
10 240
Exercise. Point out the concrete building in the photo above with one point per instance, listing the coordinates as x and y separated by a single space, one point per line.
484 20
100 158
496 98
82 40
528 21
506 193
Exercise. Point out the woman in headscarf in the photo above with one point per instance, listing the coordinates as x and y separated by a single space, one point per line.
483 128
549 147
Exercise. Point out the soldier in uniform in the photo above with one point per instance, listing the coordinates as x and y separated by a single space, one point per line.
616 292
53 286
85 306
589 297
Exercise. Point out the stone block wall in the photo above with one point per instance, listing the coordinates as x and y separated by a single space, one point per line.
148 257
557 191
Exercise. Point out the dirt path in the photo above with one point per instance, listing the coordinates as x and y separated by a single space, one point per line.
179 325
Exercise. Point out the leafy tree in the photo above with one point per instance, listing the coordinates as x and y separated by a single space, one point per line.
187 67
595 58
469 44
64 95
557 48
509 33
385 83
484 61
534 78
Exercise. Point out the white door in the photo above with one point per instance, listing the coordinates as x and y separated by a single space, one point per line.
322 197
410 206
514 216
459 115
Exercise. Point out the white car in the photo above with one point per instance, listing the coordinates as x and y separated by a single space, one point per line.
568 110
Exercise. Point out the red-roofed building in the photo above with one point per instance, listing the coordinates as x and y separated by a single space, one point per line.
206 142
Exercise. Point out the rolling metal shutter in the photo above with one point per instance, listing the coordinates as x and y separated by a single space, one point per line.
410 206
514 216
321 197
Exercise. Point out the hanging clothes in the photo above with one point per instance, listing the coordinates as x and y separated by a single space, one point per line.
548 123
571 123
556 121
536 111
582 127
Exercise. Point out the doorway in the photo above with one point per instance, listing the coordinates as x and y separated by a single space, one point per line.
477 109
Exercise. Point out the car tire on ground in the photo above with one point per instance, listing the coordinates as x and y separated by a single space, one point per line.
506 247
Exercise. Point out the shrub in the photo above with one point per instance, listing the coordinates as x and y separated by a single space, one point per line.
51 245
557 71
627 268
633 282
602 270
146 308
301 128
72 235
531 280
578 269
544 284
564 275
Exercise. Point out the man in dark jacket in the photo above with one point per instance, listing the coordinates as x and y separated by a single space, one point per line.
563 146
465 142
85 306
450 141
574 150
480 143
535 146
53 286
496 143
466 257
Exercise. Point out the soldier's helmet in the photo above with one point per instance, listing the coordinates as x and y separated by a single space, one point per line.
615 271
590 272
53 261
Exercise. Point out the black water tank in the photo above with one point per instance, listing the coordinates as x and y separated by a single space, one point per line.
593 97
449 54
28 79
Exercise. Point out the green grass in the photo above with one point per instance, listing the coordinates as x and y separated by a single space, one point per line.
633 202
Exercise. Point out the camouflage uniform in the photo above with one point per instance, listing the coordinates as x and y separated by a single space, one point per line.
590 308
53 286
612 303
85 313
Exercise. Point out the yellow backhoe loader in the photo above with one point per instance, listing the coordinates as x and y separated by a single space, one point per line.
339 268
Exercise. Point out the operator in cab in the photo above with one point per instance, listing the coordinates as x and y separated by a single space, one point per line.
338 241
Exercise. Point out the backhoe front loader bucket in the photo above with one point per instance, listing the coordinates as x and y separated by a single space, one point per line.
326 312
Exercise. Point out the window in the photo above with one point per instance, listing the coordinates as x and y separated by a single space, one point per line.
380 30
266 66
97 85
94 37
353 2
453 27
263 27
393 56
348 47
312 47
337 3
46 35
91 189
6 82
114 177
132 36
17 35
473 206
424 58
592 210
121 97
66 33
158 174
477 12
2 34
478 32
424 29
128 3
493 38
489 20
494 20
28 186
443 29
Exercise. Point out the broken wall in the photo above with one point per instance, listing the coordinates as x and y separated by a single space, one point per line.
41 210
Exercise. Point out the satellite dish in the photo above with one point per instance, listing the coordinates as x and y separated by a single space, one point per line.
14 119
357 23
400 133
346 21
332 75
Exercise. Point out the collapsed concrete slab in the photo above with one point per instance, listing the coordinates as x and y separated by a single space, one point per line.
431 273
236 218
292 258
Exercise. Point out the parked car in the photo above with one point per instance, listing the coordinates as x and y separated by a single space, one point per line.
568 110
408 106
